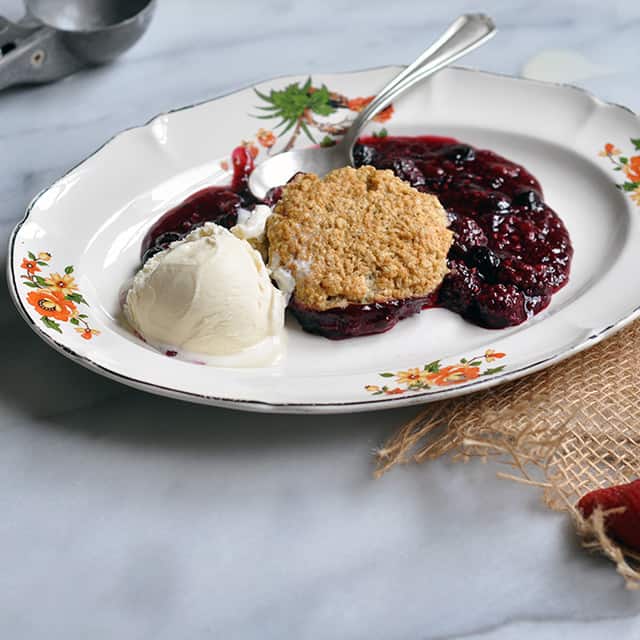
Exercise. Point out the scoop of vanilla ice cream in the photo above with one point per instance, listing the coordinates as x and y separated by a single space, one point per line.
209 293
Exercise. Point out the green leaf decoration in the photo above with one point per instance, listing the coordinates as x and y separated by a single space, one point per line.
490 372
623 160
291 103
629 186
383 133
33 285
327 141
68 269
463 361
319 102
31 256
305 128
636 143
475 363
74 321
41 263
51 324
76 297
387 375
263 96
83 315
432 367
617 168
41 281
288 127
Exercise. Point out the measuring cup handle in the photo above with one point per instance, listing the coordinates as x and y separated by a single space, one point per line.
41 57
12 31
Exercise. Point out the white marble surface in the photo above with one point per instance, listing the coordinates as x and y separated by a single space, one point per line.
129 516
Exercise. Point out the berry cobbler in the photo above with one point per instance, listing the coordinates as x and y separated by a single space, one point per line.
422 222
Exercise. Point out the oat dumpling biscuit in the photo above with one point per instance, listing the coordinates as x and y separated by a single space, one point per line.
361 246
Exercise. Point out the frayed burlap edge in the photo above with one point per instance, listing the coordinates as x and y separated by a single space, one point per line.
568 430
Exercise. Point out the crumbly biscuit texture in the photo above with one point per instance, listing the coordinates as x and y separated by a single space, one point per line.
358 236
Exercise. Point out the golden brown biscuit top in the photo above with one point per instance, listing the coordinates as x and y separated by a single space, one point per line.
358 236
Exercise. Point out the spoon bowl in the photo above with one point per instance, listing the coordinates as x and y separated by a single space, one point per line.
282 167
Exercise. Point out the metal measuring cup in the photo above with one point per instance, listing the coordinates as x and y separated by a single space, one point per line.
58 37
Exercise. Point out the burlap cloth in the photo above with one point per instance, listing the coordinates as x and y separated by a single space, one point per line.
569 429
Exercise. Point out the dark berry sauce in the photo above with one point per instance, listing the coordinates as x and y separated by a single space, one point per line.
213 204
510 252
358 319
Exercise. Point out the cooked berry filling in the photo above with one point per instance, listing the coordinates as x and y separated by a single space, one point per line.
510 253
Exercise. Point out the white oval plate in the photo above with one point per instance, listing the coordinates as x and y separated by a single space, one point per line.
91 223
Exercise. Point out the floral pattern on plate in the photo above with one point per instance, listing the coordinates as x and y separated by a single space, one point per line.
56 296
629 166
304 108
435 375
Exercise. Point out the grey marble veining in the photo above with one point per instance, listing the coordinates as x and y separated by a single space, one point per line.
130 516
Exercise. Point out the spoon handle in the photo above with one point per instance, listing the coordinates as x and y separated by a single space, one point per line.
468 32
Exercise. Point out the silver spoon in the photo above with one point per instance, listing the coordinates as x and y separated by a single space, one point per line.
58 37
465 34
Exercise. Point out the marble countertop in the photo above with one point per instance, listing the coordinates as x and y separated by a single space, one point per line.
130 516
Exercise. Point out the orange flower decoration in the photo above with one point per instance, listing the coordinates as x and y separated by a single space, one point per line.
358 104
394 392
609 150
30 266
51 304
412 376
491 355
87 333
384 115
454 374
63 284
632 169
251 148
266 138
